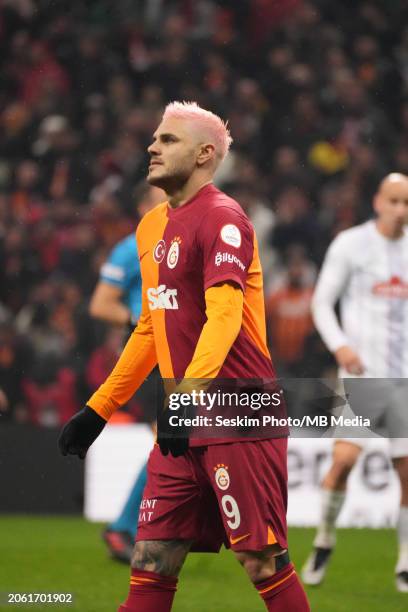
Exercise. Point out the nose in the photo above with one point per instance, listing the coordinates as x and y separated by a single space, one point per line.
153 148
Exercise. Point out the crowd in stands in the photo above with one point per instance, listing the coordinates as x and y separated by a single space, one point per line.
316 96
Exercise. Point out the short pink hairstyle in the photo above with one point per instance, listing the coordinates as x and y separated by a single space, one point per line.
213 125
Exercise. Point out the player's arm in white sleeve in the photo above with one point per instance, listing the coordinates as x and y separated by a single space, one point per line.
332 281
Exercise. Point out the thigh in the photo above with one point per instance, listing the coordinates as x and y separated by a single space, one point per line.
178 503
171 499
250 482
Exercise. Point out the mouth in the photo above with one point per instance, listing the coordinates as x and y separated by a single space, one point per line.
154 163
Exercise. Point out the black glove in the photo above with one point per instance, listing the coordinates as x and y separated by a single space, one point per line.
80 432
173 439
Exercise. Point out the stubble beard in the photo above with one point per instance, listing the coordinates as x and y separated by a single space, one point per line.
169 182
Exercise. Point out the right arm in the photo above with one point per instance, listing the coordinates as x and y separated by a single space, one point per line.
106 304
135 363
120 272
333 279
137 360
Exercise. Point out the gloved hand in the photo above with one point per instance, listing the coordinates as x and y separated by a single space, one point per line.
80 432
174 439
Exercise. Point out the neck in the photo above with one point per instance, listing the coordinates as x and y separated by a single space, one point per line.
393 233
182 194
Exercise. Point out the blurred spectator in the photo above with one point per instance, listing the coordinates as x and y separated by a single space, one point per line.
50 393
14 361
315 93
104 357
295 222
288 314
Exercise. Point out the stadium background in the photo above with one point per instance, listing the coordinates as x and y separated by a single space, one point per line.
316 95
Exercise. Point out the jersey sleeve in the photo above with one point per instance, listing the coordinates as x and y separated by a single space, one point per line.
227 244
224 306
332 281
137 360
122 264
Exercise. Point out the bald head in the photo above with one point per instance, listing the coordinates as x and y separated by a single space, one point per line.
391 204
395 179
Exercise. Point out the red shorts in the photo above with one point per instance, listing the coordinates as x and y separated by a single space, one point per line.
233 493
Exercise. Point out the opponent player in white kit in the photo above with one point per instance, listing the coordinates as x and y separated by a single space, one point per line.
366 268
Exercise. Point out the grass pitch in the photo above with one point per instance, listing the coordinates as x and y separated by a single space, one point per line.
66 555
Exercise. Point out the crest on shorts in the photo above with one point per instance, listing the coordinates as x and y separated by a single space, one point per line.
174 251
222 477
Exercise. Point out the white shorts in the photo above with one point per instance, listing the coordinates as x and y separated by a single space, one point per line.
384 402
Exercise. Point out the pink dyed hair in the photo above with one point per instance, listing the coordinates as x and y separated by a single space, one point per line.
215 127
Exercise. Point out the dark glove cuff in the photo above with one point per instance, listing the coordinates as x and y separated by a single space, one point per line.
92 419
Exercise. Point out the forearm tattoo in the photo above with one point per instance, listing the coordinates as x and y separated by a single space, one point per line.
165 557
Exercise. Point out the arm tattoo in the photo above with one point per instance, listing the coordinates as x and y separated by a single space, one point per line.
165 557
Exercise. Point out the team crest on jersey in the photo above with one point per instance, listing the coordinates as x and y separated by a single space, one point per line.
231 235
174 252
222 477
159 251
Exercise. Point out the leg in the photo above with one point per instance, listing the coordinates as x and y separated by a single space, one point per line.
120 535
275 579
401 467
168 523
250 482
165 557
155 567
259 565
127 521
345 455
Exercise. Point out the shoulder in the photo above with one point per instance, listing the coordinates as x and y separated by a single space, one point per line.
220 200
149 221
222 210
151 217
351 238
124 249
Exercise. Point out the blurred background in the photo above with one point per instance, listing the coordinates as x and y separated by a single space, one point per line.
316 96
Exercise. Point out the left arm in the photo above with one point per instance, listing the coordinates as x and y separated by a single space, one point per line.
224 307
224 304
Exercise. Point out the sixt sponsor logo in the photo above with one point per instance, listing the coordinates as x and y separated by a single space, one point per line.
228 258
162 298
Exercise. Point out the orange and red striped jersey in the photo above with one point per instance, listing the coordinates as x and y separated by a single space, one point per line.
183 252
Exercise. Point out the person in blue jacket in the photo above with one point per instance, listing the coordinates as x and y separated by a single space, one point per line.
117 299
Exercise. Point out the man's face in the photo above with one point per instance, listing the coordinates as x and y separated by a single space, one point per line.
173 154
391 204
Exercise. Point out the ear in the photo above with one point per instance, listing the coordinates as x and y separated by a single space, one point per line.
206 153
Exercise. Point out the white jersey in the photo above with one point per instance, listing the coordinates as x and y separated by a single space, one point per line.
368 273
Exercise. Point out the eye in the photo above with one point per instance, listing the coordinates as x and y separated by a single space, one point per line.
168 138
